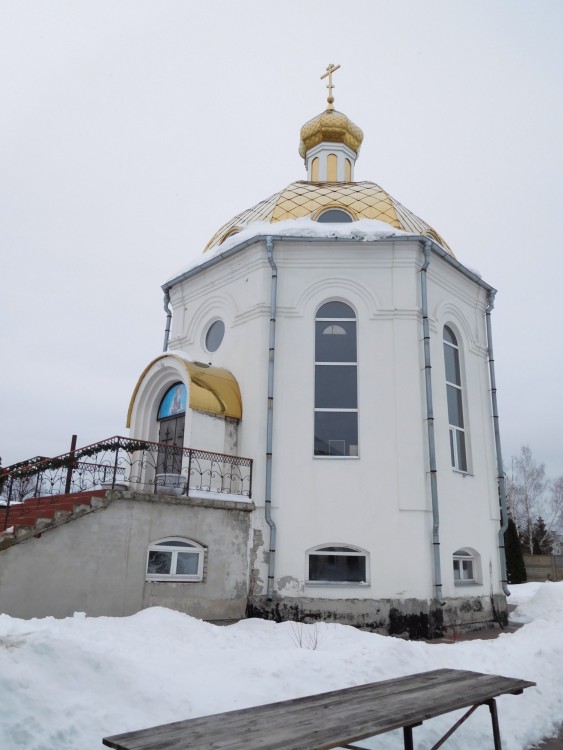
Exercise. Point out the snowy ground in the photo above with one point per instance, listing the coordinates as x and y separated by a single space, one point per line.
65 684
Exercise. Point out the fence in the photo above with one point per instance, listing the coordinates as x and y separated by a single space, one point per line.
122 463
544 567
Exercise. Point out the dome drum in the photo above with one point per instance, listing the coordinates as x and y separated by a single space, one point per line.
330 162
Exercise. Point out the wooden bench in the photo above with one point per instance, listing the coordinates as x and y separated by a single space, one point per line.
337 718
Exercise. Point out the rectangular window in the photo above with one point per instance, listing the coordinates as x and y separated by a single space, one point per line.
336 433
337 568
160 563
336 387
463 570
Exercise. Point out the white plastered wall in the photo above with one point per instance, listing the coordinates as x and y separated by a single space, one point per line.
381 501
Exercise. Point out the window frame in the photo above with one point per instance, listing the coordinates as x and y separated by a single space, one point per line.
348 550
466 554
335 321
456 433
170 544
339 209
210 329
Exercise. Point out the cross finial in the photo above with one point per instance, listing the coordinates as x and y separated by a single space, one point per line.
330 85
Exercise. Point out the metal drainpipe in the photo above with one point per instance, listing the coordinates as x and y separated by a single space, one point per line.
430 425
270 420
500 466
168 312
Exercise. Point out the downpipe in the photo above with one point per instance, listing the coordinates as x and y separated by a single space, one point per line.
168 312
500 466
430 426
270 418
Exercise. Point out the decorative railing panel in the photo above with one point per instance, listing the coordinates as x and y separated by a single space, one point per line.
123 463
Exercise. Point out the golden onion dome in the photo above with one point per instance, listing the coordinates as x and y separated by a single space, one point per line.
361 200
330 126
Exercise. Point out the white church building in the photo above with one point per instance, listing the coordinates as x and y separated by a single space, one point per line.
332 336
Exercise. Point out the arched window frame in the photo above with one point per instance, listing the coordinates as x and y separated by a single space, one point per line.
334 568
343 215
466 567
171 437
175 546
344 446
455 396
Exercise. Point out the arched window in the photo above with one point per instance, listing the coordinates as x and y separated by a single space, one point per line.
315 169
172 418
337 564
175 559
458 448
347 170
336 381
331 168
334 216
467 566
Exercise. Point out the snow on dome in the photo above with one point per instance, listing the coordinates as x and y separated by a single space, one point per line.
362 200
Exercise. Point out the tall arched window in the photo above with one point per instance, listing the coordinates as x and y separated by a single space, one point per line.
336 381
455 401
171 417
315 169
331 168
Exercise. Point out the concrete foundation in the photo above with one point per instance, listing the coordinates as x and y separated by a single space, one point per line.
407 618
97 563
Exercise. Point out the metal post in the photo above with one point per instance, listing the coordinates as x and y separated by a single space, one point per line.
189 472
407 736
115 465
494 719
7 514
71 465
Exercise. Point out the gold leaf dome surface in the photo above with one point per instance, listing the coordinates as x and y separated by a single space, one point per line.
362 200
330 126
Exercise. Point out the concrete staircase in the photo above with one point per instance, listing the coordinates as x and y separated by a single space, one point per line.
32 517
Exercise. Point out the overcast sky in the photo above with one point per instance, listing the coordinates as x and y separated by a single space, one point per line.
132 129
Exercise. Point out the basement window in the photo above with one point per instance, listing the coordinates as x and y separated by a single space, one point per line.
337 564
175 559
467 567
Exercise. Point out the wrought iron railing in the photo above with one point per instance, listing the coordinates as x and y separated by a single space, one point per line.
124 463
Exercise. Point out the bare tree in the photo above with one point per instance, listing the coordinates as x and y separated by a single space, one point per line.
526 494
556 503
531 496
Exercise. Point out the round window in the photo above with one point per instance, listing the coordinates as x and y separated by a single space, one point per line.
214 336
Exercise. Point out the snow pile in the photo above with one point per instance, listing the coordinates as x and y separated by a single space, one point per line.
545 603
366 230
65 684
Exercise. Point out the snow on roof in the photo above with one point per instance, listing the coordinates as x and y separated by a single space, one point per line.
363 230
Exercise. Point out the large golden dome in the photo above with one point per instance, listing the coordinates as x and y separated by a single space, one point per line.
330 126
362 200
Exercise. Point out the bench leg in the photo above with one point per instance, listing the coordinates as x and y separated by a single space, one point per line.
407 736
494 720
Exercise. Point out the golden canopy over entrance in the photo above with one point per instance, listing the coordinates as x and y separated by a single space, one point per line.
211 389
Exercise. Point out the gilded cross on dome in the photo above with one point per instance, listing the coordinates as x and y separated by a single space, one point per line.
330 85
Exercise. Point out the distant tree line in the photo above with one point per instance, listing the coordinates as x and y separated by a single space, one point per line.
535 512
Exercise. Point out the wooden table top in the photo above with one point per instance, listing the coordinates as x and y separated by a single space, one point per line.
327 720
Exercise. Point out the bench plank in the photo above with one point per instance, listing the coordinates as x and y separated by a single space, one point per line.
327 720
